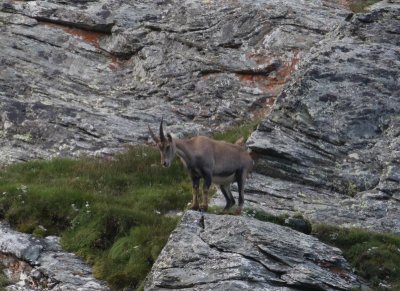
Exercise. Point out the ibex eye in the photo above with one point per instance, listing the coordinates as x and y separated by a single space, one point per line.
167 148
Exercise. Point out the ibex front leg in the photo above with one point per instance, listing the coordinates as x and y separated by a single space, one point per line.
195 193
206 188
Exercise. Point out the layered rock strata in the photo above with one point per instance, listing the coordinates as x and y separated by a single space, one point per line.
333 136
89 76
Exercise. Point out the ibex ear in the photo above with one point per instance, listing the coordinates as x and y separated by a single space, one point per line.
153 136
169 137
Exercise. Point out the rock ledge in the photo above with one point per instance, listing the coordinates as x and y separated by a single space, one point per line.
220 252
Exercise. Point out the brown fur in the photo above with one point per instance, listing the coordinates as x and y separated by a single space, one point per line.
214 161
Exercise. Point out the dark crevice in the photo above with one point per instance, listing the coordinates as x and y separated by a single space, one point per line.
85 131
71 125
201 221
160 27
218 68
99 28
317 30
274 257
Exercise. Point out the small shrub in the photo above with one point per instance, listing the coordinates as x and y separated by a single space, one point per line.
375 256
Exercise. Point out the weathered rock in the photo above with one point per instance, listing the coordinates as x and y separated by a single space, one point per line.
88 76
214 252
336 127
203 65
41 264
372 210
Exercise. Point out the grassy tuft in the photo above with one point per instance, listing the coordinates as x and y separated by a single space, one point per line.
359 6
234 133
110 211
375 256
4 281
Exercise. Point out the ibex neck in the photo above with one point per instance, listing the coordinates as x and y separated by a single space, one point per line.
182 151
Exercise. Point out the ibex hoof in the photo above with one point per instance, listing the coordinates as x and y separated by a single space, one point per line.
204 208
238 211
194 207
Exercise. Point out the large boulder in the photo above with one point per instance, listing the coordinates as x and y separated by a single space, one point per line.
215 252
88 76
334 132
40 264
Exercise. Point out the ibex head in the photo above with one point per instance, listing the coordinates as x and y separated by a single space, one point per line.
166 145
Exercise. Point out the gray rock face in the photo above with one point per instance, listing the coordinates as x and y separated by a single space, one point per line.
88 76
336 129
216 252
41 264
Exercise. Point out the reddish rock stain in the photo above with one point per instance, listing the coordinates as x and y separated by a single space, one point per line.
90 37
272 83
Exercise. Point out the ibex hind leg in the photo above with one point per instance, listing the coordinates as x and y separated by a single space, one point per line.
241 180
230 201
195 194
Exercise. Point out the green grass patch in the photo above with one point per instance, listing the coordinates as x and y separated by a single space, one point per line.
375 256
4 282
296 222
234 133
110 211
359 6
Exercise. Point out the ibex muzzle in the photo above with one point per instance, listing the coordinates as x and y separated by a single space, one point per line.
216 162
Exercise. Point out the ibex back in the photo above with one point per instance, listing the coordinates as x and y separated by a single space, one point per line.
216 162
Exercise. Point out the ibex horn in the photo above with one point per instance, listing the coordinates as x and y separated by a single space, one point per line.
153 135
162 137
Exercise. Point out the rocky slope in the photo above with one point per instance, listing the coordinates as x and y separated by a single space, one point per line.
334 132
88 76
329 150
40 264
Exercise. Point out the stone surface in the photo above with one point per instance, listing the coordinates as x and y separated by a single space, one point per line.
214 252
40 264
334 131
89 76
372 210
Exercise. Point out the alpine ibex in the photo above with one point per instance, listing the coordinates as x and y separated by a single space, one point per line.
216 162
